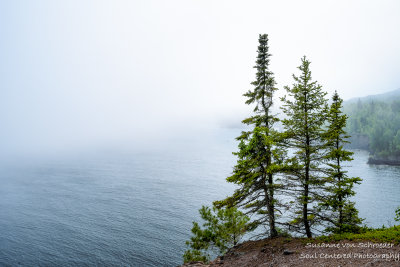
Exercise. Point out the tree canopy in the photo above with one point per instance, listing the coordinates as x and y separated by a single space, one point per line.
291 177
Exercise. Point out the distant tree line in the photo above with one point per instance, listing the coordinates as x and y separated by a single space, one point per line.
379 120
288 181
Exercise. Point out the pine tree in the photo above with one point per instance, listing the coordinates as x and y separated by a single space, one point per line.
306 112
259 156
342 213
222 229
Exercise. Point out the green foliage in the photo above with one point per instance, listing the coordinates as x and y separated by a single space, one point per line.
397 218
260 156
312 178
222 229
195 255
335 204
391 235
306 109
345 221
264 85
380 121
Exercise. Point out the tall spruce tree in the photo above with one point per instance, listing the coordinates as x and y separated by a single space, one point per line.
306 114
259 156
341 212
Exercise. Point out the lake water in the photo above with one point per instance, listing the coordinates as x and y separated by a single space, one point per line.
132 208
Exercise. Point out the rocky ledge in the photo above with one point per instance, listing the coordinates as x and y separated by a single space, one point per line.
285 252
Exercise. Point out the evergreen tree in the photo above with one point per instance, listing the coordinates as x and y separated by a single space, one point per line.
259 156
222 229
343 215
306 112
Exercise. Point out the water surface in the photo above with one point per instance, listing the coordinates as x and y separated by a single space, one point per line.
131 208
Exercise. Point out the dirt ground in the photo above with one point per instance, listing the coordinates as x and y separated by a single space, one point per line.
283 252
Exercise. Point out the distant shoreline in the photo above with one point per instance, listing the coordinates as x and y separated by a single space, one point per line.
376 161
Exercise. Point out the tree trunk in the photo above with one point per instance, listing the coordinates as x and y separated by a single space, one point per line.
340 189
307 179
271 208
305 208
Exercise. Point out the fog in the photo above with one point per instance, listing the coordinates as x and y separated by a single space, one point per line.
86 74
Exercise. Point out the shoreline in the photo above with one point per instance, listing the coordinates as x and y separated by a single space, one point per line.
375 161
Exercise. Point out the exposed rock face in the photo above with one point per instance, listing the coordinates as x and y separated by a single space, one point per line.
281 252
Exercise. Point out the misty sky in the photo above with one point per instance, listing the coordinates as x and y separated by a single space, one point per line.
89 72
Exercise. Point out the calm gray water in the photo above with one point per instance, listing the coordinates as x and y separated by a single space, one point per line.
135 209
